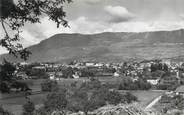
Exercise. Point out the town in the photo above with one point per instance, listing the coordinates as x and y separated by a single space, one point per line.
166 76
92 57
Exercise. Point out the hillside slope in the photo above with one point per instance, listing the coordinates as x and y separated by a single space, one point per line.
107 46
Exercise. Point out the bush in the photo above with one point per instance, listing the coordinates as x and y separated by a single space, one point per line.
82 101
128 84
4 87
167 86
4 112
114 97
56 101
93 84
28 108
49 85
129 98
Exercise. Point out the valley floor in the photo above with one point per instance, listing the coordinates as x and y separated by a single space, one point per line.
14 101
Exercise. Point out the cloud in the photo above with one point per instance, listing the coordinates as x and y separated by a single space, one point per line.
182 16
3 50
118 14
92 2
85 25
142 26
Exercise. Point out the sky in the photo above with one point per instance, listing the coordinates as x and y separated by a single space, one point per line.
96 16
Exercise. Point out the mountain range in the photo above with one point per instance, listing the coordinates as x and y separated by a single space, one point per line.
108 46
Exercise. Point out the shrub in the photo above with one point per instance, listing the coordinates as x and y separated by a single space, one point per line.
114 97
4 87
93 84
28 108
56 101
4 112
167 86
128 84
129 98
49 85
82 101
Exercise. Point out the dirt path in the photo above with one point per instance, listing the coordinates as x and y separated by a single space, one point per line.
152 103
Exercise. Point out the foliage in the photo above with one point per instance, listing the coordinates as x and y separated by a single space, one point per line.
20 85
56 101
128 84
103 95
49 85
87 73
129 98
159 66
4 112
4 87
39 73
67 72
172 102
157 74
92 84
123 109
167 86
114 97
15 15
88 97
142 84
81 101
7 70
28 108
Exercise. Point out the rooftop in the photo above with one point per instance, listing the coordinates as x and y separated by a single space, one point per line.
180 89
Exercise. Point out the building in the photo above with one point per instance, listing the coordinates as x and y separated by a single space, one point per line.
153 81
76 75
22 75
51 75
169 80
180 90
116 74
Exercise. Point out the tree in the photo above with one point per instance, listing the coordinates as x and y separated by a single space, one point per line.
4 112
67 72
7 70
82 101
56 101
15 15
93 84
49 85
115 98
28 108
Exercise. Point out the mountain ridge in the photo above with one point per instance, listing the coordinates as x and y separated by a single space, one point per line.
107 46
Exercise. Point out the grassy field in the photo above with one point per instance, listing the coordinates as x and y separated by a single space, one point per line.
14 101
145 97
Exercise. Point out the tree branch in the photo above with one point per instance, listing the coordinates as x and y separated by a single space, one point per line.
4 28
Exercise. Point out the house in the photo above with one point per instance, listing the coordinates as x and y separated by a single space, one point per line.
169 80
153 81
76 75
116 74
90 64
180 90
22 75
51 75
39 68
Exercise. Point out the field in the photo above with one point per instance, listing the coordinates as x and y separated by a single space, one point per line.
145 97
14 101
